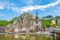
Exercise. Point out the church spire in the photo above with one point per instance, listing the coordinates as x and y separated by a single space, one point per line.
36 17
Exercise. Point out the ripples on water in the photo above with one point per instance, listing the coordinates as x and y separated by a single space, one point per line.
23 37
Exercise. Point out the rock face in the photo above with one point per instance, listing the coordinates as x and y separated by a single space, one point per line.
24 21
10 25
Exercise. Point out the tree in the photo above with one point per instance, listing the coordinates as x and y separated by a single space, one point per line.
49 16
3 23
57 17
11 21
53 23
45 23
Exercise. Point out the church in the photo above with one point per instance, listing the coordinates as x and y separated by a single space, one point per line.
37 24
34 26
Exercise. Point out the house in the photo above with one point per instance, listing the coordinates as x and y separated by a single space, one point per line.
2 29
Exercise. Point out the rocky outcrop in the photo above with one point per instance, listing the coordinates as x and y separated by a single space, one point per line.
24 20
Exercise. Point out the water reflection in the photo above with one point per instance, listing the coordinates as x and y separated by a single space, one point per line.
22 37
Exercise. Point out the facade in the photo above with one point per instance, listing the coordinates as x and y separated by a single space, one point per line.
2 29
58 22
58 25
37 24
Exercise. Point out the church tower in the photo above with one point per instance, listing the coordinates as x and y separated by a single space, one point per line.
37 23
36 19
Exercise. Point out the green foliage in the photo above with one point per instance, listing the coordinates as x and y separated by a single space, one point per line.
11 21
3 22
57 17
45 23
25 37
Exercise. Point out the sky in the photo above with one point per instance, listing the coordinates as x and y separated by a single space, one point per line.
12 8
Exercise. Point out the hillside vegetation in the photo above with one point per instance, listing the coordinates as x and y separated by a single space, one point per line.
45 23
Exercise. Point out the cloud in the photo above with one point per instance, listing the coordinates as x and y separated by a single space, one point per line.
30 8
28 2
2 5
1 15
57 10
26 8
6 4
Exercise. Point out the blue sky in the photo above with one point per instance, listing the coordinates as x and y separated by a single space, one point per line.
12 8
